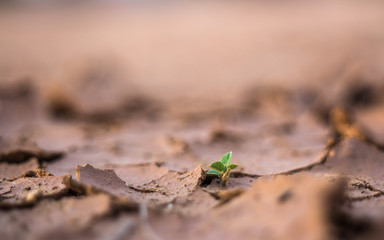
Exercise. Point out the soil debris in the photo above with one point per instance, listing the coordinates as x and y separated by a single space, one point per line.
26 191
20 155
14 170
160 191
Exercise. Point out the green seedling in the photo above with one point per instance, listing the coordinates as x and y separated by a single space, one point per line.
222 168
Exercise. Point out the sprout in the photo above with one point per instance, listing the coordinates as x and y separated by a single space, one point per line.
222 168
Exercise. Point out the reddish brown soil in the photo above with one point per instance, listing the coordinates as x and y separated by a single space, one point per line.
116 146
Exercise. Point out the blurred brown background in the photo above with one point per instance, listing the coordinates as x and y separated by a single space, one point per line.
174 49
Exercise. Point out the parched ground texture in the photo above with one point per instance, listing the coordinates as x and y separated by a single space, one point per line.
93 154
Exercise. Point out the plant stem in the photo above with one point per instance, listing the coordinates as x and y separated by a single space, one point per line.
225 177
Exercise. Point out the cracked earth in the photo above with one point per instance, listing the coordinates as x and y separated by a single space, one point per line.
79 159
299 176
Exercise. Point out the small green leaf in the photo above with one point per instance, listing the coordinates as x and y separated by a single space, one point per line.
213 172
219 166
233 166
226 159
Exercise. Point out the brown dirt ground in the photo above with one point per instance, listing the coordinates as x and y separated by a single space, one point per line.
111 114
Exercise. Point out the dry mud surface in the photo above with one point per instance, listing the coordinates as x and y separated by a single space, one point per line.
302 174
91 156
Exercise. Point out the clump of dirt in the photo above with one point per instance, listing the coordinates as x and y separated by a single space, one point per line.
26 191
159 191
14 170
21 149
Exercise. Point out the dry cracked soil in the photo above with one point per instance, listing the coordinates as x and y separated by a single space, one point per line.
140 176
92 156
